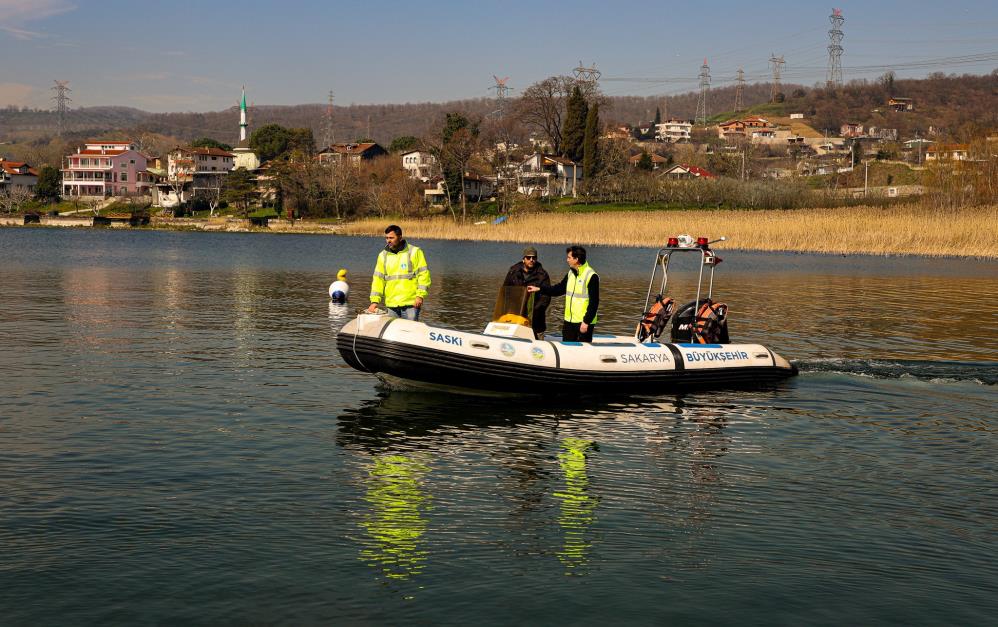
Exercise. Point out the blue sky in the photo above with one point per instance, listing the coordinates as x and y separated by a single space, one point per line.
194 56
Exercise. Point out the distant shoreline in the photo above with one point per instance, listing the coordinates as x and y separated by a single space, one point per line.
891 231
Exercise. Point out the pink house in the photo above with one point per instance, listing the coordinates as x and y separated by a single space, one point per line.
106 168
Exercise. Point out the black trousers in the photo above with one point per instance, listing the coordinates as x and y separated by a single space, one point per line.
570 332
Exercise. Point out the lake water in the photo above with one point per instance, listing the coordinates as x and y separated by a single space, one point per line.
181 444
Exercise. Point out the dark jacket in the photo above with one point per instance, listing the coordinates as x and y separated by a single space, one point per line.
562 287
518 275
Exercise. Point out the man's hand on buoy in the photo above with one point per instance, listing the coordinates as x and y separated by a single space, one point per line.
418 304
373 308
583 327
533 288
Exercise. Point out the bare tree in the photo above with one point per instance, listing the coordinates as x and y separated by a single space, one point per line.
180 172
211 191
542 107
13 198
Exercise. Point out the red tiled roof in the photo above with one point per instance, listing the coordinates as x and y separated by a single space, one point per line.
349 149
105 153
218 152
698 171
107 142
655 158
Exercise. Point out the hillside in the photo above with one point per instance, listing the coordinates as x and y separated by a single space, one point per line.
958 107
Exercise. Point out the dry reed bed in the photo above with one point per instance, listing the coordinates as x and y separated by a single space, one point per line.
968 232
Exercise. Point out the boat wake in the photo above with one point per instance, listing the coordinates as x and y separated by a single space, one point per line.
981 373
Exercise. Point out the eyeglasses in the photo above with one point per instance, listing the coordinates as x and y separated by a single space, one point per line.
530 257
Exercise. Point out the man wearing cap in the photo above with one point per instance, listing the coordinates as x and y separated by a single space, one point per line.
529 271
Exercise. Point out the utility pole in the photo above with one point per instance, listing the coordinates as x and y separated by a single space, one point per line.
834 78
62 103
701 114
777 64
739 88
866 178
743 162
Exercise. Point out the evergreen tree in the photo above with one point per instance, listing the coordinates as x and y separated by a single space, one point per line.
658 115
645 163
573 133
49 185
590 146
269 141
208 142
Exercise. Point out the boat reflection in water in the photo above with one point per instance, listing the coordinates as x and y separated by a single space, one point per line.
518 486
578 506
396 524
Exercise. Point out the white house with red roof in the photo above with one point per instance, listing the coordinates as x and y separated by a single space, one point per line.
17 175
686 171
106 168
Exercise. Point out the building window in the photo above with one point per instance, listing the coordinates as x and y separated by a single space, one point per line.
132 161
124 165
124 177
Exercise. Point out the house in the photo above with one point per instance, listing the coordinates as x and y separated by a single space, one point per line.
189 171
948 152
420 164
657 161
732 129
851 129
622 132
685 171
476 189
888 134
673 130
547 175
353 153
106 168
901 104
17 175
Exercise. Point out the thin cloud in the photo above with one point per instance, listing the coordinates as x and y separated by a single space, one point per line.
15 14
16 94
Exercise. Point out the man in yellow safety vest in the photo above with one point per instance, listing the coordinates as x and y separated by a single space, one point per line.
401 277
580 287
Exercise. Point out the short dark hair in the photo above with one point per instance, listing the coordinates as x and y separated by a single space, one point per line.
578 252
394 228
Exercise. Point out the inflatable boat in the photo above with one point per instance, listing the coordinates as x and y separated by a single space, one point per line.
507 358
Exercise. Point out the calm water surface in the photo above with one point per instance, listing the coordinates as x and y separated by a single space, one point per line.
180 444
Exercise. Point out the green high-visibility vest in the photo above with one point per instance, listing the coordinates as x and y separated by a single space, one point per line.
577 294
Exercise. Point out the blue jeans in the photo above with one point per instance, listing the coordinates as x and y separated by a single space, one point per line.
407 312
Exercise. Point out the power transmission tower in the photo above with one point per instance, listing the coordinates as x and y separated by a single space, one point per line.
835 48
739 88
62 102
701 115
587 78
328 137
777 64
502 91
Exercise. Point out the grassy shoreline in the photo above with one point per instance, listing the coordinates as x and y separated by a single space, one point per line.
895 231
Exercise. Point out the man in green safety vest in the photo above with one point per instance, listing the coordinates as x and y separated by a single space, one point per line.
580 287
401 277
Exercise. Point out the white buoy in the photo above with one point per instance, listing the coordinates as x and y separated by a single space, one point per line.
339 289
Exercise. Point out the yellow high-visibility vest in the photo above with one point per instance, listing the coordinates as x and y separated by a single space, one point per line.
577 294
400 277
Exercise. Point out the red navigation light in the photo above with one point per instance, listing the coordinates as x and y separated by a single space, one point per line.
702 241
673 242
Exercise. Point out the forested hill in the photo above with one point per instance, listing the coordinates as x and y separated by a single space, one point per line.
960 105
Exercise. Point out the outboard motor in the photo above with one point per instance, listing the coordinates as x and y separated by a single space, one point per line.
708 326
